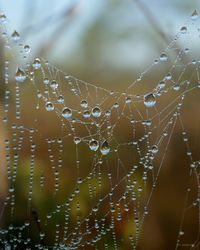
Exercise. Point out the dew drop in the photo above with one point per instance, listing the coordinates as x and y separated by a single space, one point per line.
168 76
77 140
84 104
15 36
94 145
49 106
163 57
60 99
96 112
149 100
3 18
46 81
154 149
176 87
183 29
67 113
20 75
186 50
105 148
54 84
86 114
161 84
148 123
194 15
128 99
11 190
27 49
107 113
116 105
37 63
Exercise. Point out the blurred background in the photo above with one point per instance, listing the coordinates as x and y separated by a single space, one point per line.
107 43
99 41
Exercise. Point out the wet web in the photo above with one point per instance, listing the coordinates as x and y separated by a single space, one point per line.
83 162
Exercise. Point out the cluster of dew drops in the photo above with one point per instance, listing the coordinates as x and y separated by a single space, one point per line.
66 112
149 99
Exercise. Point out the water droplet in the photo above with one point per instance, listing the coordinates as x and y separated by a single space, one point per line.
183 29
194 15
105 148
149 100
154 149
176 87
60 99
148 122
15 36
49 106
161 84
77 140
3 18
108 113
163 57
46 81
37 63
156 61
128 99
168 76
116 105
96 112
84 104
67 113
181 233
11 190
94 145
186 50
27 49
86 114
54 84
20 75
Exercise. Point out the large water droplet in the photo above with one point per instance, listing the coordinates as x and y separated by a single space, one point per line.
15 36
149 100
37 63
84 104
20 75
67 113
94 145
49 106
96 112
105 148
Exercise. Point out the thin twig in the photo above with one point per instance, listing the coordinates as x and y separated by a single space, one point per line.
152 20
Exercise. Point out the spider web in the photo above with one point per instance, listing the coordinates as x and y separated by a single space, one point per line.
83 162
